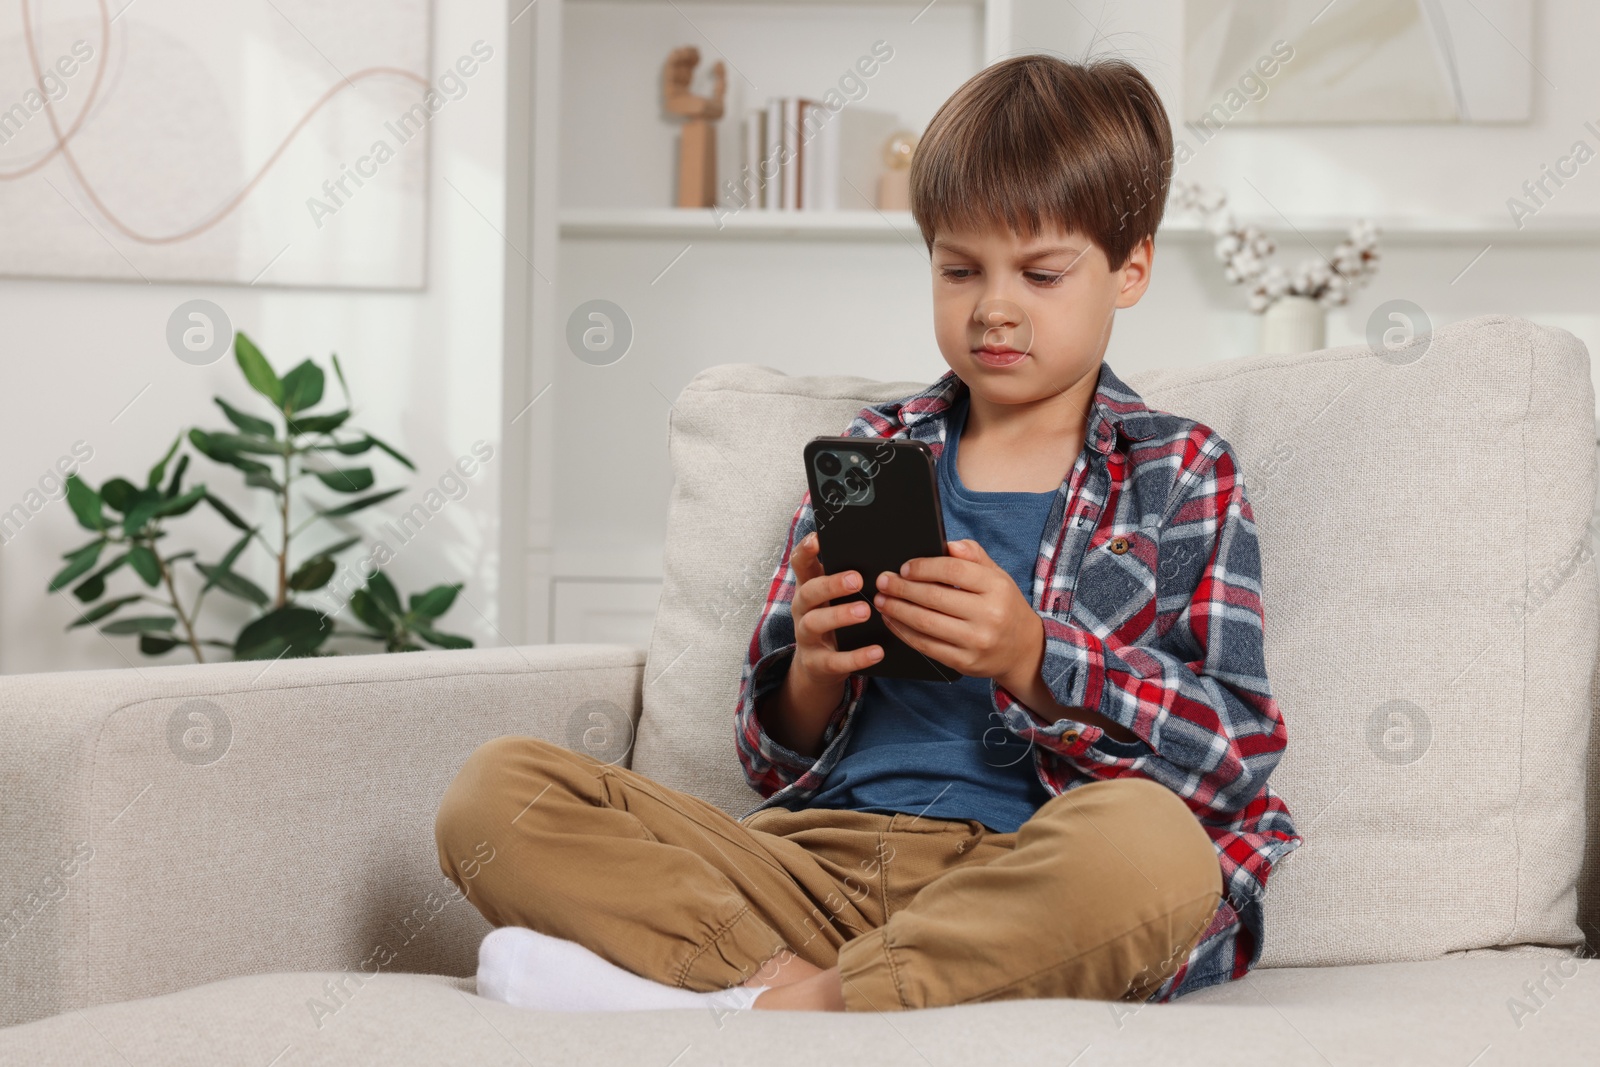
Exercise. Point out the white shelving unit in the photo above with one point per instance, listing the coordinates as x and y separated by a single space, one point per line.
596 225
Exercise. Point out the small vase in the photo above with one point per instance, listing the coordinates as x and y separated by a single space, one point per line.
1292 325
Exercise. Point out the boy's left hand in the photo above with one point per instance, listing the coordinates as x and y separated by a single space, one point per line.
963 610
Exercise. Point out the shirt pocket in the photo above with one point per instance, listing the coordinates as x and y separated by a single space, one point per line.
1115 593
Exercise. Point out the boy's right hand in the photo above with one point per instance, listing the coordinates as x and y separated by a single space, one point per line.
816 652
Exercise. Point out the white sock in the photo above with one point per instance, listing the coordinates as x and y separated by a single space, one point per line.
528 969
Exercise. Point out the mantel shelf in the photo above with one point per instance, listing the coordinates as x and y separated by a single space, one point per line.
898 225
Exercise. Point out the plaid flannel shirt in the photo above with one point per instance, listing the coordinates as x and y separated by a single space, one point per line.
1164 638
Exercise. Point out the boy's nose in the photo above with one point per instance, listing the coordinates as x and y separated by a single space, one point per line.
999 312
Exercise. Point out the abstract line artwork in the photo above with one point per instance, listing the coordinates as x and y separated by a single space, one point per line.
279 142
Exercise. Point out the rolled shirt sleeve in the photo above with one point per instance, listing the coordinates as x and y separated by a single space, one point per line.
1197 701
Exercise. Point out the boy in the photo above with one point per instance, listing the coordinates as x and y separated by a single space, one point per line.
1085 813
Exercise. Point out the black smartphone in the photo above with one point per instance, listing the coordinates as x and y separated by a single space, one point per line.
876 505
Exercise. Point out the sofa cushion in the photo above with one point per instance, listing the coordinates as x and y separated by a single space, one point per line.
1443 1011
173 825
1430 618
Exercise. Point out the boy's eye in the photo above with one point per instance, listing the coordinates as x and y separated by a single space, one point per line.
957 274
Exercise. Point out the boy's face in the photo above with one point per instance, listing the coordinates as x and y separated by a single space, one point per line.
1023 319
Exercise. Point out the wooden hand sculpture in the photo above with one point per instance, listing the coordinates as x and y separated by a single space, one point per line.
697 147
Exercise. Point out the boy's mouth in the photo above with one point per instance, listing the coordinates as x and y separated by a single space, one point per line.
997 356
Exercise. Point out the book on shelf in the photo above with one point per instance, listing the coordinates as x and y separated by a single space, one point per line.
796 155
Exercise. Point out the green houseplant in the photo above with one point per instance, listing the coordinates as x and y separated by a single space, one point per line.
273 454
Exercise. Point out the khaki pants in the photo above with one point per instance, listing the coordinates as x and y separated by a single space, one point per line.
1101 894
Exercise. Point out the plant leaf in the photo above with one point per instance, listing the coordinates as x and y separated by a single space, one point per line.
435 602
369 612
144 509
94 586
176 482
443 640
248 466
383 591
225 566
392 452
85 503
119 494
246 423
227 513
349 480
292 631
155 644
180 505
233 553
257 371
356 505
302 387
348 448
338 370
145 565
159 471
244 442
202 442
234 583
314 573
318 423
262 479
140 624
100 611
78 561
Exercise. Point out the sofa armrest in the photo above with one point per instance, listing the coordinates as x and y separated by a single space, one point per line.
168 826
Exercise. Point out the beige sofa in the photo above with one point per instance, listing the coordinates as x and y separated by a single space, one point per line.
235 863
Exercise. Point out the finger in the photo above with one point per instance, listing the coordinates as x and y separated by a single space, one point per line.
818 591
945 653
804 558
846 663
970 548
822 621
951 570
959 602
933 624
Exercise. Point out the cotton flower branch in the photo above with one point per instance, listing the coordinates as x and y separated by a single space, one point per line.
1244 250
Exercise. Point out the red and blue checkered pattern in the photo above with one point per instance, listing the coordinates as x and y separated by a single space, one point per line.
1164 638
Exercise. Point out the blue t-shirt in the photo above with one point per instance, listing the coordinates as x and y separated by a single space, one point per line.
937 748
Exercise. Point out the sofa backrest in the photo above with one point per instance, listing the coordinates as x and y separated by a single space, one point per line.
1430 599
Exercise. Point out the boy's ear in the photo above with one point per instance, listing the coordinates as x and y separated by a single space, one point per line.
1136 273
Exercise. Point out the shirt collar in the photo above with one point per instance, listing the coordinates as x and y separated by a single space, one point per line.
1117 411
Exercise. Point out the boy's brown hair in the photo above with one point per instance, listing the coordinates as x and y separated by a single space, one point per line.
1037 138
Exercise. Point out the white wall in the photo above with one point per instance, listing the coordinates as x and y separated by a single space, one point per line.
424 368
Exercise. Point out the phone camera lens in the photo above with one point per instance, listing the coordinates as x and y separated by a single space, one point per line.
828 463
833 494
